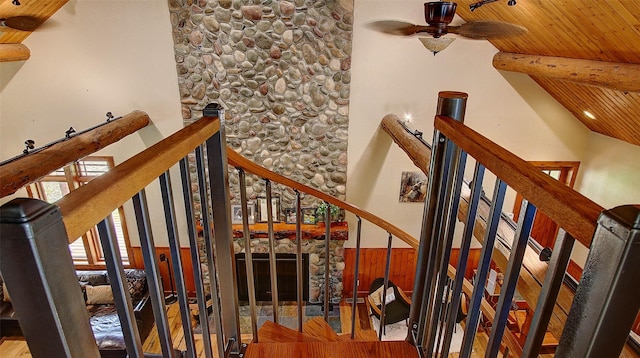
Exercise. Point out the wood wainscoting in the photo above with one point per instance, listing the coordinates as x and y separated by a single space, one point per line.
402 271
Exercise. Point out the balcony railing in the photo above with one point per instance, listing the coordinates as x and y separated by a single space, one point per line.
37 267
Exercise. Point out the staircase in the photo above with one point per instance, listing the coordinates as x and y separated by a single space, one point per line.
318 339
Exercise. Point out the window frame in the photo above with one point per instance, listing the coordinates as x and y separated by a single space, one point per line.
91 240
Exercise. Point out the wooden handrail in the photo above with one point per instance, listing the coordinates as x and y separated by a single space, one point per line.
239 161
88 205
16 174
572 211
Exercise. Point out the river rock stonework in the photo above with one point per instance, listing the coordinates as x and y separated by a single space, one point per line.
281 70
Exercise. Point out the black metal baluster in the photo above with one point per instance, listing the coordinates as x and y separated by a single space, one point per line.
327 273
174 246
355 280
548 294
273 271
467 236
508 288
483 268
386 287
211 263
156 295
248 255
195 258
299 278
121 297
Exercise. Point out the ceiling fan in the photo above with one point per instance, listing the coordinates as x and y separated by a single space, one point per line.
438 15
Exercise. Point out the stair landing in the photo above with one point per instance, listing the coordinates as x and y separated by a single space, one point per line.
332 349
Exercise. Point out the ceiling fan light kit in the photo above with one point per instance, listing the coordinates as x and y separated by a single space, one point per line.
436 44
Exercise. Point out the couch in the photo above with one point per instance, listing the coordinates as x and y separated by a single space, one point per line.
103 317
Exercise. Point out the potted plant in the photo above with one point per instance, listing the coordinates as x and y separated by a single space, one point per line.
321 210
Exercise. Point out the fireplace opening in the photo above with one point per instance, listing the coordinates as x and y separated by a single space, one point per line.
286 275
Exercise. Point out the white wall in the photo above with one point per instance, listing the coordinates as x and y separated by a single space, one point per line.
398 75
93 57
609 176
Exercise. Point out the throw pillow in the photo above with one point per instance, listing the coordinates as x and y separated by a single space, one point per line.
390 296
375 296
98 295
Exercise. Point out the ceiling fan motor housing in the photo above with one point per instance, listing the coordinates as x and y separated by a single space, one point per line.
439 13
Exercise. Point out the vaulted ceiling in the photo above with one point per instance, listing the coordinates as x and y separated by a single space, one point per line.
585 53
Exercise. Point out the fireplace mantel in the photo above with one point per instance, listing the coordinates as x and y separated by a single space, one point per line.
339 231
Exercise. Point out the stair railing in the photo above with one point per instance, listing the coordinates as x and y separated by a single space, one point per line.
244 165
37 266
36 263
601 314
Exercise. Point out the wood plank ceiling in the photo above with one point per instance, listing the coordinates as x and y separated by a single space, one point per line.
577 29
572 29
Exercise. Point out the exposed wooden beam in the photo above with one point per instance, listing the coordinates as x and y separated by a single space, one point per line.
16 174
612 75
14 52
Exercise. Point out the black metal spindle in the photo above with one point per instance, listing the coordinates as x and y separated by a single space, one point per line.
386 287
248 255
299 278
208 245
356 279
273 271
176 259
473 318
156 294
121 297
195 258
508 288
327 273
463 256
548 294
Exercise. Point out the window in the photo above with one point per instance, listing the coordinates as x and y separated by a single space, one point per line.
86 251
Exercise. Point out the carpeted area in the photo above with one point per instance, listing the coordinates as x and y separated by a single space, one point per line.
398 332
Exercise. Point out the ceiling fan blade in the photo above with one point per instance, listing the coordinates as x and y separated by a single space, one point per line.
22 23
397 27
487 29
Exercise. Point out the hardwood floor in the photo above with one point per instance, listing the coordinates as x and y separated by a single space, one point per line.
363 345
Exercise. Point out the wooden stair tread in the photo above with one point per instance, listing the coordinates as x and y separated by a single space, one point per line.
319 328
271 332
361 335
332 349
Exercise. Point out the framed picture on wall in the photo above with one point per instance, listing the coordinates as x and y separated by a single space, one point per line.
261 205
236 213
308 216
413 187
290 215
